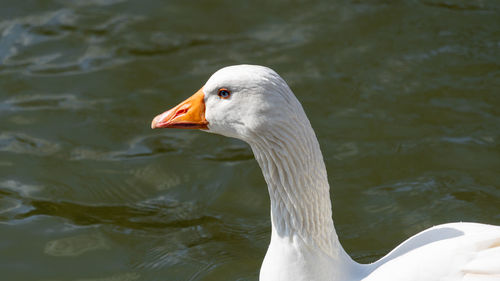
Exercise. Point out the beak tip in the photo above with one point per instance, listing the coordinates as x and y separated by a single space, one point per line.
154 123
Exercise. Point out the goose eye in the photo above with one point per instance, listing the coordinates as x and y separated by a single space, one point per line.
224 93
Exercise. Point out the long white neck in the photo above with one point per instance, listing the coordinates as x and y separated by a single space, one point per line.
293 167
304 244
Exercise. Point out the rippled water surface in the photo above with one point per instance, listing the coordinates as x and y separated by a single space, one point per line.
404 97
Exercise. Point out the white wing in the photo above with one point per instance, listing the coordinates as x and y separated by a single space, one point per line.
448 252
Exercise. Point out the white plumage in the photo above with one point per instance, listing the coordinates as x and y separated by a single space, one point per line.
263 111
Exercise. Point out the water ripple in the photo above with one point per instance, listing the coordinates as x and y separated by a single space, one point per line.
82 3
26 144
75 245
139 147
230 153
123 216
129 276
21 189
48 102
45 31
460 5
22 32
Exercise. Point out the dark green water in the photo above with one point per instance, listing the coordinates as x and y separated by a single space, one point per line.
404 97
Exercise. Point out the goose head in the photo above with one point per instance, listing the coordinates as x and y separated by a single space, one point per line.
254 104
242 101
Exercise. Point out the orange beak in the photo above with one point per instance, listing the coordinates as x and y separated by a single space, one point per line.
189 114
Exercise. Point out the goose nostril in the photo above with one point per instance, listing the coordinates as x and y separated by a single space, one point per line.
180 112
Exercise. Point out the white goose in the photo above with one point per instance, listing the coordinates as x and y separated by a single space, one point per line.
254 104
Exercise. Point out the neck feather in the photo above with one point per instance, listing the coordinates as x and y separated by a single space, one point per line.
293 167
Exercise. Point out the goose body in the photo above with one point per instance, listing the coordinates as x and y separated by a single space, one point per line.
254 104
